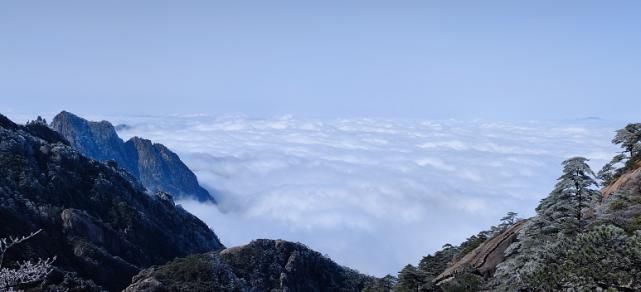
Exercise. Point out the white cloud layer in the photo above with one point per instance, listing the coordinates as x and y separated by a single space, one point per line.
374 194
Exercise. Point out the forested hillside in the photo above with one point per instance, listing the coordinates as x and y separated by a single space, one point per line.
586 236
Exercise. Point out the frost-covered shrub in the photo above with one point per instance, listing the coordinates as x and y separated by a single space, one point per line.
604 257
26 272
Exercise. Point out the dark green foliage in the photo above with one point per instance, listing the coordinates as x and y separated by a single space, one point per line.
510 218
617 205
267 264
470 244
193 273
433 265
623 208
60 280
385 284
464 282
262 265
628 138
613 169
7 123
40 129
410 279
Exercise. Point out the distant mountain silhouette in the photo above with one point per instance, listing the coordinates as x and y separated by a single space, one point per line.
157 167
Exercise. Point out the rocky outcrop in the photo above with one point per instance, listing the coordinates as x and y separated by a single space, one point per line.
97 140
262 265
627 178
483 259
99 223
157 167
160 169
621 205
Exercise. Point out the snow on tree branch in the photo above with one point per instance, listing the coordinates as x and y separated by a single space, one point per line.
27 271
7 243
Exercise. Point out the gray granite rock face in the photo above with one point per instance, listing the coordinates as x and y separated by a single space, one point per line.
157 167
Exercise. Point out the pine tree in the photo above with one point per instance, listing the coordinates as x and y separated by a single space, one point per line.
573 193
560 215
506 221
410 279
604 257
510 218
38 121
385 284
628 138
610 170
388 282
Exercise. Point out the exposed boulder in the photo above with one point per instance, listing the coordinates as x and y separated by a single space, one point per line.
621 205
629 178
160 169
483 259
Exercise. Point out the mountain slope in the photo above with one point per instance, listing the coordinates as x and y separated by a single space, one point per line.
581 239
483 259
100 223
157 167
262 265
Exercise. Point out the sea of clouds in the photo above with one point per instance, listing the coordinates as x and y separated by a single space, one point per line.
373 194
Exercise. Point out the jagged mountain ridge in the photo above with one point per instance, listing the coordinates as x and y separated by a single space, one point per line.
99 223
157 167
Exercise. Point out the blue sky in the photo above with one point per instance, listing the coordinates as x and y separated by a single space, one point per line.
505 60
429 66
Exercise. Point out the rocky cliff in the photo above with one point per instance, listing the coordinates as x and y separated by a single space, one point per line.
101 224
157 167
483 259
262 265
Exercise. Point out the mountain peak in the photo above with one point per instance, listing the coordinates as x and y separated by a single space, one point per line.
157 167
